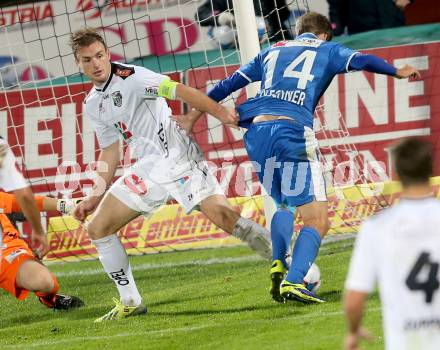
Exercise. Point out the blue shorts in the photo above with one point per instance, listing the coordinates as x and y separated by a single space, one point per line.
284 154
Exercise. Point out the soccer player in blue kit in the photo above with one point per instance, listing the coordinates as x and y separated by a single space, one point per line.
280 140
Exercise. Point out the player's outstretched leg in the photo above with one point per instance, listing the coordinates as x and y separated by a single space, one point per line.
34 276
110 216
306 249
220 212
281 230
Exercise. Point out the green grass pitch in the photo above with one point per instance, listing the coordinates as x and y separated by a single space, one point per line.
206 299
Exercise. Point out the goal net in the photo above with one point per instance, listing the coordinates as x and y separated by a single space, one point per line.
41 112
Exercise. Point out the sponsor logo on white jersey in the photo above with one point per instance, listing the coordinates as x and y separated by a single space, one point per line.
117 98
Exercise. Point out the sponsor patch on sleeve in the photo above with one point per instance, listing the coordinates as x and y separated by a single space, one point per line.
151 91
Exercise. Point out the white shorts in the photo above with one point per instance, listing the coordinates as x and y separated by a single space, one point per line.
187 179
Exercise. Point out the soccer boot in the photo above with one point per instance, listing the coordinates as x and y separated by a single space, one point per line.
298 292
121 311
67 302
277 272
61 302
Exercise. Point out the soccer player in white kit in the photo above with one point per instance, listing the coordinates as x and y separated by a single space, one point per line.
130 101
399 249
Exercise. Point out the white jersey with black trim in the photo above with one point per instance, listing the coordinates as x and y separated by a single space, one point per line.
399 249
129 105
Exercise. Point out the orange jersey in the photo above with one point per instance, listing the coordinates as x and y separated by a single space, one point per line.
9 203
15 251
9 230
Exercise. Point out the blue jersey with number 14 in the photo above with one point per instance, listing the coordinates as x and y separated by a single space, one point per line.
294 75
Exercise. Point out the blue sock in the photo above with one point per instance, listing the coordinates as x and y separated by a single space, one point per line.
281 229
304 254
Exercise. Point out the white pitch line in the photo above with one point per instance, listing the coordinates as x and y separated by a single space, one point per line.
148 266
171 330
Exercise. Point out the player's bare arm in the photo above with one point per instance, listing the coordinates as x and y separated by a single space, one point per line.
109 161
202 102
354 303
223 89
26 200
188 120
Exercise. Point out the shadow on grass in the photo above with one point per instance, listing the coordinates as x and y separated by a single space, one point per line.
90 312
331 296
93 312
45 315
171 301
342 248
213 311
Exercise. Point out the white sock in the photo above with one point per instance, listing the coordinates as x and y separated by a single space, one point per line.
255 235
114 259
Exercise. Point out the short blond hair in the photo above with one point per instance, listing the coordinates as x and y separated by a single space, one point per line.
84 37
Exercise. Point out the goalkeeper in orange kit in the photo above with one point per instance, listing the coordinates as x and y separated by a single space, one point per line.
20 270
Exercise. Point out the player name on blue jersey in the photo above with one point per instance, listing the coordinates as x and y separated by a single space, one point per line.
296 96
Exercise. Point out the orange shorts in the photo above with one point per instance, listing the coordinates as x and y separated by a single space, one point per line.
15 252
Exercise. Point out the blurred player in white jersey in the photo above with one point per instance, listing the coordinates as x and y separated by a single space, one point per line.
399 249
130 101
